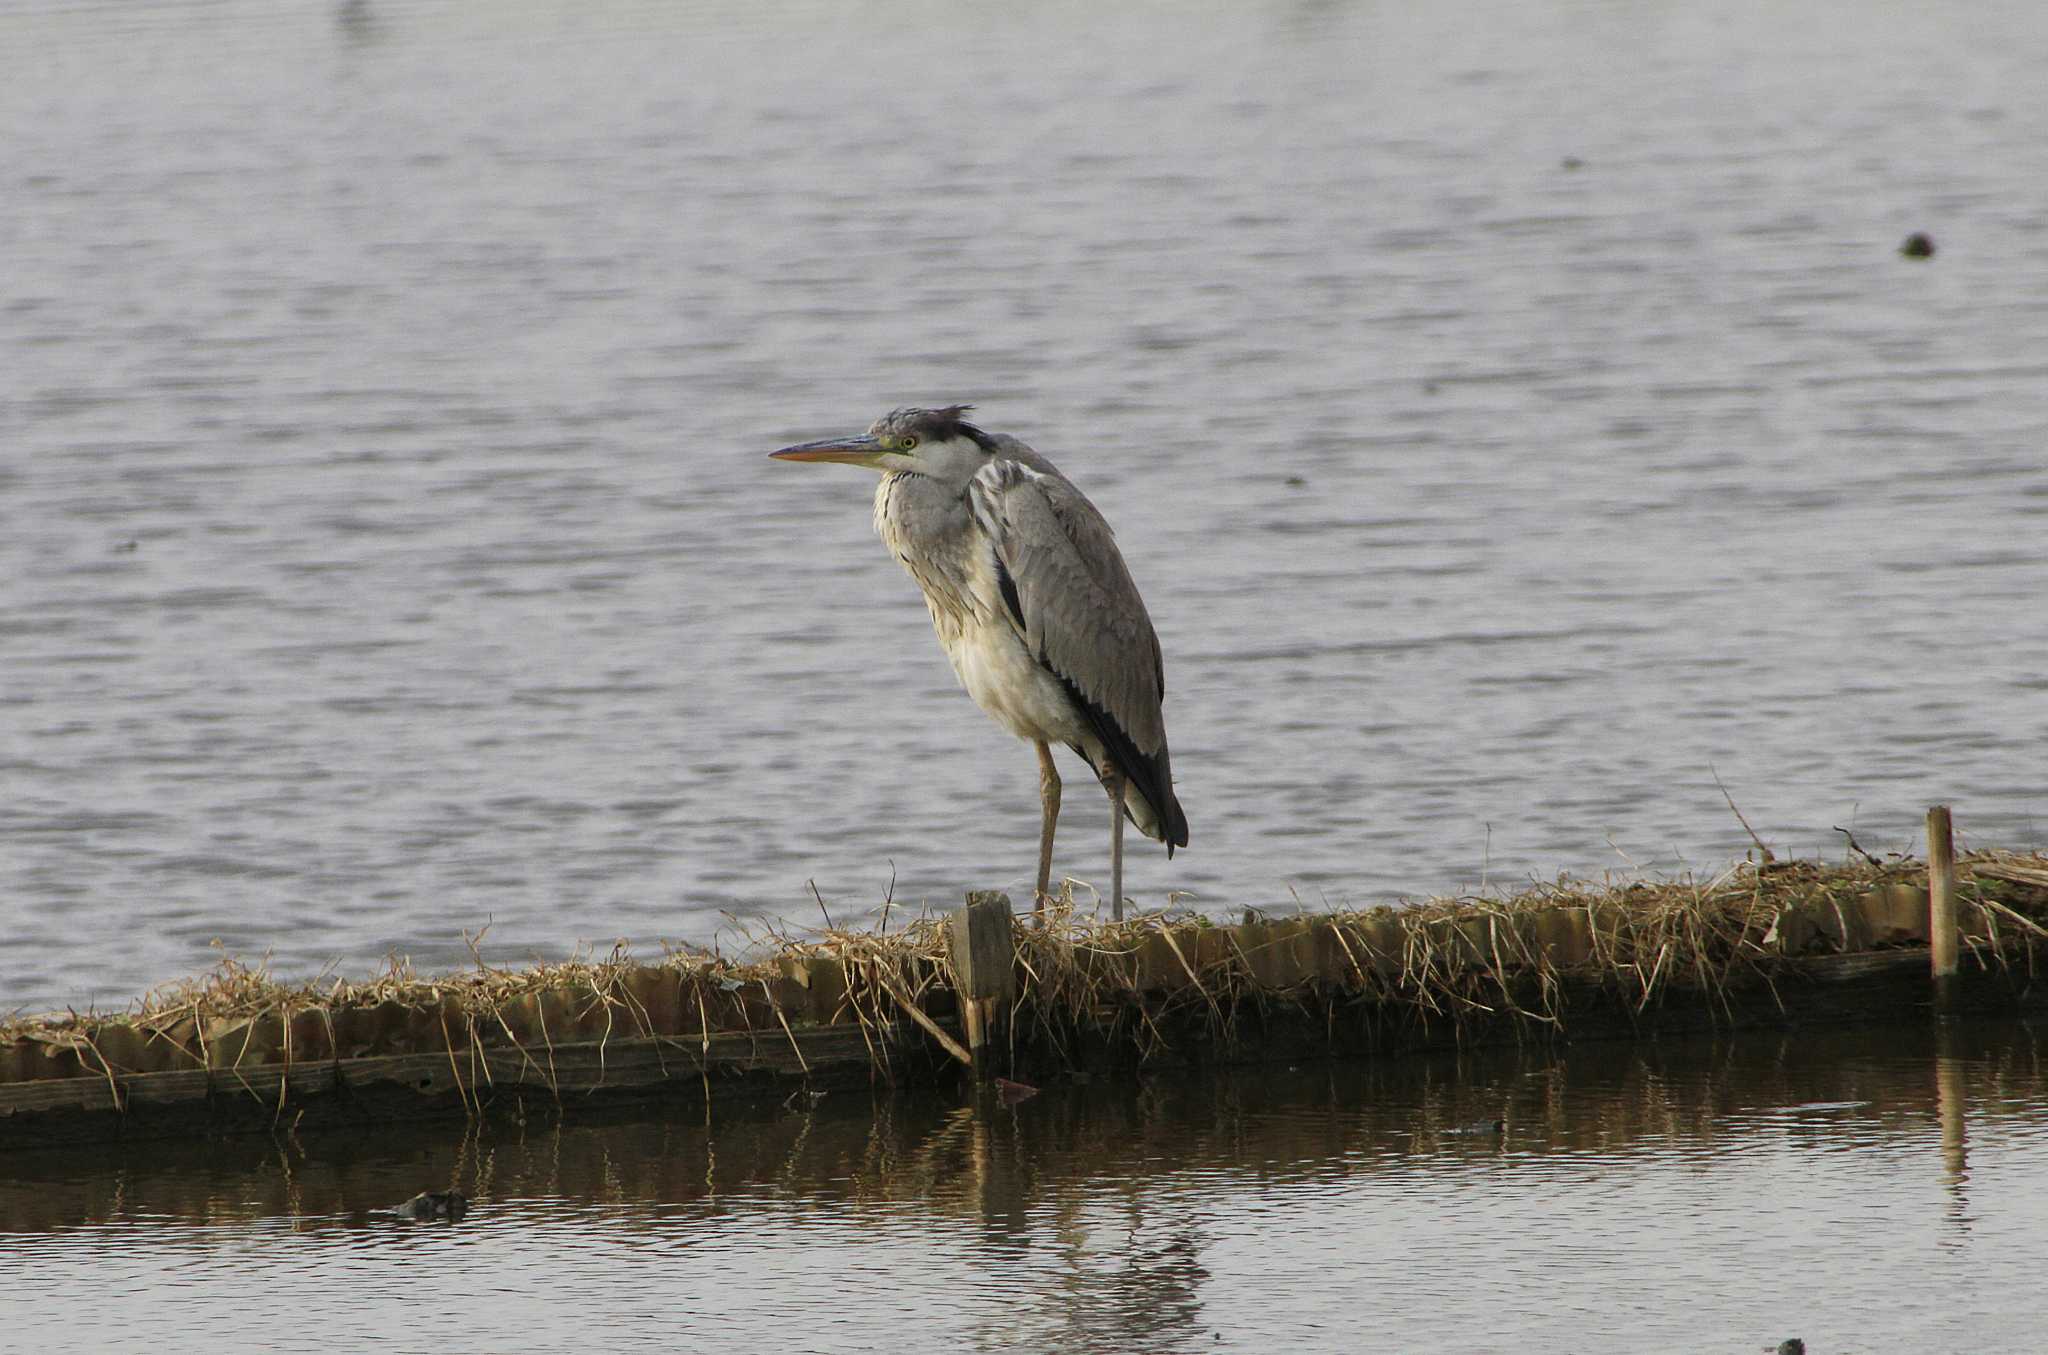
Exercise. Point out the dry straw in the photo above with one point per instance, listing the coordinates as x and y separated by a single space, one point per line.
1086 987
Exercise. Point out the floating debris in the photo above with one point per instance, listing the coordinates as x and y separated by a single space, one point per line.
436 1205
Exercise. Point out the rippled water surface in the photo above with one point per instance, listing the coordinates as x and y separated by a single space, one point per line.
1868 1192
1514 414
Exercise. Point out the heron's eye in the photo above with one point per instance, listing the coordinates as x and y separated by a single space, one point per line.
908 442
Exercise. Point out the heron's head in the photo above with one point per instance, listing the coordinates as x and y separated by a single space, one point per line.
935 442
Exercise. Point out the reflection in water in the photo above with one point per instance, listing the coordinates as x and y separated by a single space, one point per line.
1742 1182
1951 1100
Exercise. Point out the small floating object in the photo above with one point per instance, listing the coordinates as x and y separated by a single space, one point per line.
1791 1345
1918 245
803 1098
1013 1092
430 1205
1823 1107
1571 162
1486 1127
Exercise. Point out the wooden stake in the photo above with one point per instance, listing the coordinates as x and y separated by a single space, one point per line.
983 950
1944 942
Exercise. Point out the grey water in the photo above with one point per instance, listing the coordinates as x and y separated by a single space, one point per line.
1516 415
1865 1191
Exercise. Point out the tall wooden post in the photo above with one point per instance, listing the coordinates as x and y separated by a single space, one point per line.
1944 940
983 950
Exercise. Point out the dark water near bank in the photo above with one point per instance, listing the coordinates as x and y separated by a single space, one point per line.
1868 1191
387 549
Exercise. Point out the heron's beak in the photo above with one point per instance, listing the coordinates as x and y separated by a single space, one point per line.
860 451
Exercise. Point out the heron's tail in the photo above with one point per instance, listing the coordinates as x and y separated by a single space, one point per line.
1172 823
1151 805
1149 801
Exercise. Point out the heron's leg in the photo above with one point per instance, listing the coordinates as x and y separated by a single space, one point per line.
1116 846
1049 799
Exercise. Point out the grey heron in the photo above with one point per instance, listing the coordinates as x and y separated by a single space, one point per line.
1034 607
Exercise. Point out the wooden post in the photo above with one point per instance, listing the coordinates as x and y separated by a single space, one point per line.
1943 934
983 950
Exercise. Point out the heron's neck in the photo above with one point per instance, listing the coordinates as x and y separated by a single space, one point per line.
918 512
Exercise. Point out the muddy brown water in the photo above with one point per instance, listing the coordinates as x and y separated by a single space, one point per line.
1868 1191
1514 413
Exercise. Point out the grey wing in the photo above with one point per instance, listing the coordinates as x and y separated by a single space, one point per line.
1069 594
